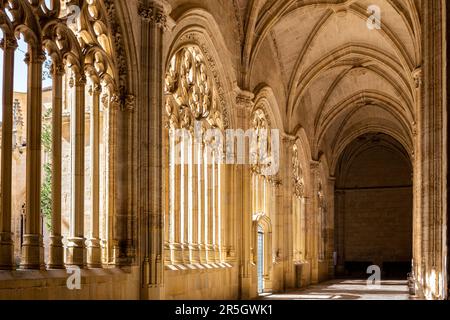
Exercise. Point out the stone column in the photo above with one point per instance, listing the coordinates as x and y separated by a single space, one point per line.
202 209
229 215
433 137
216 214
243 203
56 252
94 251
184 213
190 200
154 18
105 176
114 236
330 245
340 230
314 219
76 241
6 242
285 210
196 205
208 207
32 247
417 179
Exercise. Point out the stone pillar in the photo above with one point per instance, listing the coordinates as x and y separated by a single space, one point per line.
433 136
6 242
114 236
229 215
32 247
285 207
417 180
243 203
330 245
76 241
196 205
153 15
314 219
209 232
184 213
340 230
56 252
94 251
190 200
202 209
106 194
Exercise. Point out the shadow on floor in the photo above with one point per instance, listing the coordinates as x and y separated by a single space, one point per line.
348 289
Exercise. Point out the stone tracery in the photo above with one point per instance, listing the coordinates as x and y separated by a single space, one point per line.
83 66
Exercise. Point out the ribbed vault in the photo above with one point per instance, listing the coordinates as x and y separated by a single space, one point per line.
340 77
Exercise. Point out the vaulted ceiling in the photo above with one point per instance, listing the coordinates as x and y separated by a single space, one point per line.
340 78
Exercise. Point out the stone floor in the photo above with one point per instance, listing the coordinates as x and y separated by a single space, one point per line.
348 290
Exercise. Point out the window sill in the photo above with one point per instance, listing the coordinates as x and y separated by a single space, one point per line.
198 266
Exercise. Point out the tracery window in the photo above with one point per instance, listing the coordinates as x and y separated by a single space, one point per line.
299 207
68 123
194 228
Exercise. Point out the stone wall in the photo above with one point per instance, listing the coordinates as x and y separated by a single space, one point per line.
210 283
96 284
374 205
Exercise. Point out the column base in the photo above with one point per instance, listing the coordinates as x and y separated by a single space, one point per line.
76 252
186 254
116 253
94 254
32 252
210 255
6 251
194 253
178 253
104 252
202 253
167 253
56 253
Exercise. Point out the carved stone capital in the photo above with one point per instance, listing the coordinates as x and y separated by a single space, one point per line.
245 100
80 80
97 88
8 44
57 69
155 12
105 101
35 57
417 76
130 103
115 102
314 165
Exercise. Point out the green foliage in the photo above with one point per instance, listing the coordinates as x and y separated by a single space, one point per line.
46 189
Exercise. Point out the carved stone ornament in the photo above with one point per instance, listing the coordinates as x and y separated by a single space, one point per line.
189 91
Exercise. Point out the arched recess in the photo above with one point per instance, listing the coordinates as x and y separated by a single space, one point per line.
374 207
197 27
194 161
265 181
363 128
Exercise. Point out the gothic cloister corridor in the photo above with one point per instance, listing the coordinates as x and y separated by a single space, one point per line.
223 150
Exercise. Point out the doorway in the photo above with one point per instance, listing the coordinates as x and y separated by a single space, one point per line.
260 259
